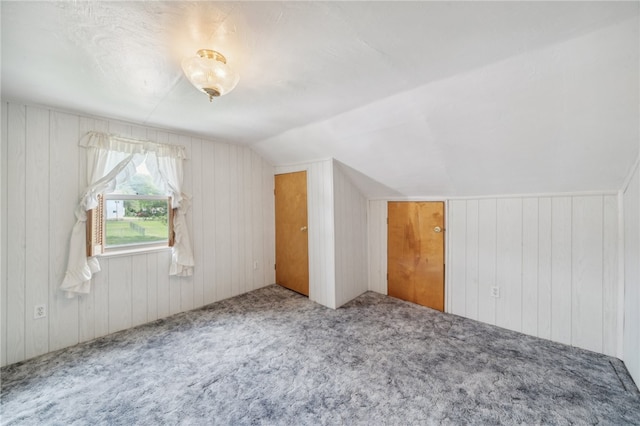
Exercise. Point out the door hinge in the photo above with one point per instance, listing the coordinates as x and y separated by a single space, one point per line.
387 277
274 266
387 221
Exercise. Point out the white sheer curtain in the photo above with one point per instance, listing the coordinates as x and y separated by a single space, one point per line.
111 159
170 169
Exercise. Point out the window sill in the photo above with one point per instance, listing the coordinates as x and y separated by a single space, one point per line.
133 251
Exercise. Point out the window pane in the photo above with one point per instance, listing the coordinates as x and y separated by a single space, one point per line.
140 184
136 221
145 181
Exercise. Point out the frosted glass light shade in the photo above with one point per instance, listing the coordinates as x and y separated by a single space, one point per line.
208 72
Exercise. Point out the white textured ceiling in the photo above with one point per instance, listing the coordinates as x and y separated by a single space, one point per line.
414 98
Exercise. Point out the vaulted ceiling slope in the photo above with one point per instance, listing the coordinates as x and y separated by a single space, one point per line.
413 98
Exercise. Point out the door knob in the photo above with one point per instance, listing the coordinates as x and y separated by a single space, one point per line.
304 228
437 229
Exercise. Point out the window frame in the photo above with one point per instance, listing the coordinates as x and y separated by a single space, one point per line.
96 227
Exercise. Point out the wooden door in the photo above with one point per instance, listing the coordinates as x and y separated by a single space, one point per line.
415 252
292 249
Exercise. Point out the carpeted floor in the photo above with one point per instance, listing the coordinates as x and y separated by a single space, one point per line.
274 357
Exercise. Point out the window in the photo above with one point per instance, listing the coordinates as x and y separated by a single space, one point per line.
113 163
135 220
134 215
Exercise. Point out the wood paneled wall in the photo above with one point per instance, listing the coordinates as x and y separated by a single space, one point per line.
351 238
631 339
554 260
377 229
43 175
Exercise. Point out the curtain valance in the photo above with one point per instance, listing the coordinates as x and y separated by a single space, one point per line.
122 144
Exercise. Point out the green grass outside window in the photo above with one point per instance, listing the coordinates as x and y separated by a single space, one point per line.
120 232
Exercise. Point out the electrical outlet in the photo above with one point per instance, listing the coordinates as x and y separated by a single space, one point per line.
39 311
495 292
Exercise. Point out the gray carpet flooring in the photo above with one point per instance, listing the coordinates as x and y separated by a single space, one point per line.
273 357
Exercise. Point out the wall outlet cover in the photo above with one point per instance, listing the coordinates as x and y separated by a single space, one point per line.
39 311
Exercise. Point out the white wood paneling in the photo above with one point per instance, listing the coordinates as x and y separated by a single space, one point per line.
377 236
194 164
152 286
350 213
37 235
45 176
315 226
222 218
471 256
326 207
16 260
472 289
509 261
530 264
610 276
139 289
235 240
120 283
587 278
257 229
631 332
457 240
561 268
343 243
247 225
544 267
208 255
554 260
268 224
176 287
487 240
3 232
101 300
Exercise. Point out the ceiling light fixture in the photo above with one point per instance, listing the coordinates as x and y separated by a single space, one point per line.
208 72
